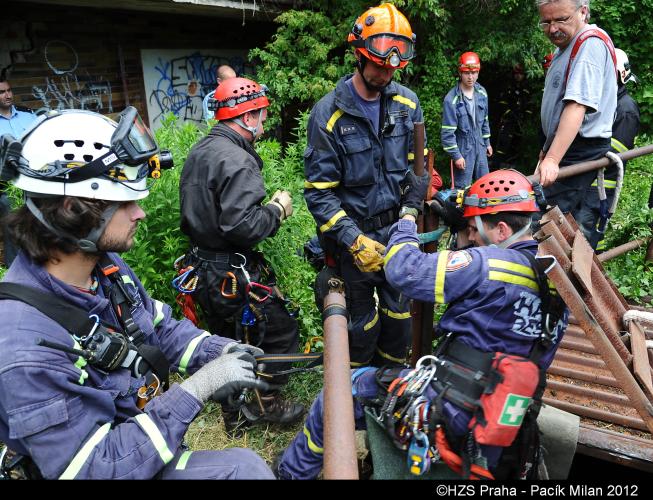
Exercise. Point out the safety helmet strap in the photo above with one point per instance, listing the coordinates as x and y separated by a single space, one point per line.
253 130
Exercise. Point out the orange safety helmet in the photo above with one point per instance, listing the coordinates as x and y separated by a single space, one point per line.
468 62
500 191
383 34
236 96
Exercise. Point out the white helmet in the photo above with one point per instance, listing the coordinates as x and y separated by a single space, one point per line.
623 67
85 154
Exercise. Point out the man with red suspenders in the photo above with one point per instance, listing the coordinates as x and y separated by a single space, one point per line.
578 105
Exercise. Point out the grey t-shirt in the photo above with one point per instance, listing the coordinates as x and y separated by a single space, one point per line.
592 82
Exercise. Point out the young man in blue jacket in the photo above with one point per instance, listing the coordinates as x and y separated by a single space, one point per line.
78 404
495 305
465 132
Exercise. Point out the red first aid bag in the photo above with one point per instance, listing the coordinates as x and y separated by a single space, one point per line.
504 404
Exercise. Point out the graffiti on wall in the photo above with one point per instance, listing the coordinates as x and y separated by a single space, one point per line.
176 81
65 88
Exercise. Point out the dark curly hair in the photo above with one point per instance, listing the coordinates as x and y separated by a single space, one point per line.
75 216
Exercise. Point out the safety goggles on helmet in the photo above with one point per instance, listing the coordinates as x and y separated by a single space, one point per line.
383 45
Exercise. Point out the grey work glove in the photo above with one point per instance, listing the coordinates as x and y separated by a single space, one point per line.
238 347
225 376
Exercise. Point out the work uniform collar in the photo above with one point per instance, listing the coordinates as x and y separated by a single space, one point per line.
221 130
12 114
345 101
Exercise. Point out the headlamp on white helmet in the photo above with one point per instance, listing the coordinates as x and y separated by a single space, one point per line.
623 67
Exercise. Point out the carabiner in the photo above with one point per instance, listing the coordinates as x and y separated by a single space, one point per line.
234 286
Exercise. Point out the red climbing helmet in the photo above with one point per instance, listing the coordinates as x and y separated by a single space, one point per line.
500 191
236 96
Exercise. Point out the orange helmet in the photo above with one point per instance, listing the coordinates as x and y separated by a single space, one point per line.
383 35
500 191
235 96
468 62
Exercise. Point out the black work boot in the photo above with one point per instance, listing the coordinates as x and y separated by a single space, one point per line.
235 423
273 409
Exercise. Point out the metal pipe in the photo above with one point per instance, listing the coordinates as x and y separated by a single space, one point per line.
597 414
592 378
621 249
339 428
588 392
587 166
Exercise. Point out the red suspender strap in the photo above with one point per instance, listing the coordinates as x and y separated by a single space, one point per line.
584 36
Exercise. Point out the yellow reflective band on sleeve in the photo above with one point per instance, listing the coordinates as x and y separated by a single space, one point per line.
311 445
155 436
334 118
455 146
395 315
404 100
332 221
320 185
455 100
607 184
482 92
449 127
513 279
82 455
485 136
375 319
440 274
192 345
619 146
391 358
512 266
158 308
183 460
411 156
127 280
395 249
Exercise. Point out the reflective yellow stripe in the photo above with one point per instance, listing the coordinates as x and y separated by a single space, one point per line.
356 365
158 308
411 156
331 222
387 356
183 460
619 146
192 345
334 118
486 136
155 436
404 100
395 248
373 322
311 445
512 266
455 100
395 315
82 455
440 274
320 185
515 280
607 184
482 92
127 280
450 147
450 127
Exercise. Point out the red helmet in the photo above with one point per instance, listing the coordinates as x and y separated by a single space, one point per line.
236 96
500 191
383 35
468 62
546 62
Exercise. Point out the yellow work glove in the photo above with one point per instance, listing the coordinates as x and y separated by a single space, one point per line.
283 201
368 254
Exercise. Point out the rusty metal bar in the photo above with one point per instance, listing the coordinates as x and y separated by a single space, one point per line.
587 166
605 444
593 378
597 336
571 357
605 416
621 249
582 346
588 392
339 428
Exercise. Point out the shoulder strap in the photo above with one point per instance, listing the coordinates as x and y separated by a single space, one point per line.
581 39
71 317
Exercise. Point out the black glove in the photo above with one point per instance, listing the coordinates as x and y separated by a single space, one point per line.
444 204
415 189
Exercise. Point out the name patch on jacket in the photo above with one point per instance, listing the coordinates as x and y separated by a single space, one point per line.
458 260
347 129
